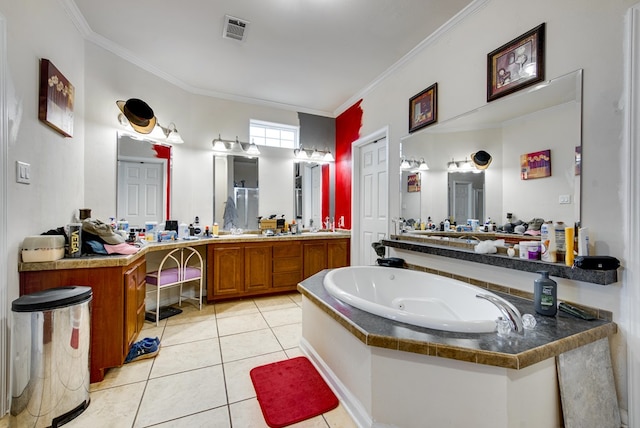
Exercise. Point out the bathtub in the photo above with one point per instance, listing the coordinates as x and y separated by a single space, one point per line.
413 297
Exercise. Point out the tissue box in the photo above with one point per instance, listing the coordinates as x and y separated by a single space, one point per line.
42 248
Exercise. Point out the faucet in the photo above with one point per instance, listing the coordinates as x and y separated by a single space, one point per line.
341 222
509 312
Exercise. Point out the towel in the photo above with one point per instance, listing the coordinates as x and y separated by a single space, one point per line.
230 215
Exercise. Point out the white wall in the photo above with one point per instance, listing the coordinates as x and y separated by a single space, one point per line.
585 34
198 118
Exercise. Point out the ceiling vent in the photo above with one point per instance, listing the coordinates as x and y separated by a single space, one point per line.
235 28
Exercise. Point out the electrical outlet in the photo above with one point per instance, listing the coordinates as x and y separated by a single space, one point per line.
23 172
564 199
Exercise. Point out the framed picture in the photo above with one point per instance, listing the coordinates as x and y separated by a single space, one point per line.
535 165
423 108
413 183
55 104
516 65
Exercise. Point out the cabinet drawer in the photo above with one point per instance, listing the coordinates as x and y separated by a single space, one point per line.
287 264
286 279
288 250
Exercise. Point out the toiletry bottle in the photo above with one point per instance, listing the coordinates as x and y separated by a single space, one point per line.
560 241
183 231
569 235
197 229
215 229
548 241
545 294
447 225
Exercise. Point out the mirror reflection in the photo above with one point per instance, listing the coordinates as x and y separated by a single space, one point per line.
308 194
236 192
143 180
541 118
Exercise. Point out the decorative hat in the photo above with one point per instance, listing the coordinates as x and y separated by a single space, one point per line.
481 159
139 114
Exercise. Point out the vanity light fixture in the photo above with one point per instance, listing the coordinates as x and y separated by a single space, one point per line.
136 115
405 164
234 147
171 134
423 165
313 155
253 149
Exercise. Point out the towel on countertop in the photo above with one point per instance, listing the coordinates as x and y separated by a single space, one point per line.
121 249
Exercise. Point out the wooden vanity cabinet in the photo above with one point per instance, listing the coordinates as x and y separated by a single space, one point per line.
225 270
325 254
117 307
257 267
287 265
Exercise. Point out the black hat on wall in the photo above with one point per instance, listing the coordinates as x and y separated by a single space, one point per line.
139 114
481 159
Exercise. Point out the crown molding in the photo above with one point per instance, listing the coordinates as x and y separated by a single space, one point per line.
443 29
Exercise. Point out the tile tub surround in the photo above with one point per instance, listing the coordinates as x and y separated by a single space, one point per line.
551 337
460 252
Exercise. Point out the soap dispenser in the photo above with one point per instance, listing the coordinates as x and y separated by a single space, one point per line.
545 294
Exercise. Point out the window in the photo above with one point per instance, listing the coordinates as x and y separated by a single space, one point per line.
273 134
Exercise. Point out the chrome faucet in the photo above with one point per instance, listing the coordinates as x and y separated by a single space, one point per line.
509 312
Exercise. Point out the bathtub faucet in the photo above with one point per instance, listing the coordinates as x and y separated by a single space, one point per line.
509 312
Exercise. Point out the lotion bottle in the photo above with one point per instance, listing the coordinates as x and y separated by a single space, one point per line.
548 241
545 294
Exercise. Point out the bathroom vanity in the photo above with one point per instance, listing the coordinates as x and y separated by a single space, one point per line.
237 266
388 373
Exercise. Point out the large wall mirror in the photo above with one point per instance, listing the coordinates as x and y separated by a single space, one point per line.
547 116
143 180
308 197
236 198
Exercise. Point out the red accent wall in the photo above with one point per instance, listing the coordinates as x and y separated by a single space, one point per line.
348 126
325 192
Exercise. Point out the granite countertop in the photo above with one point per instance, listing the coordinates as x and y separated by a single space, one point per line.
461 251
94 261
551 337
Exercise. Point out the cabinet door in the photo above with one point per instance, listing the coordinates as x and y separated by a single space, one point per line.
257 265
337 253
314 257
141 295
131 306
228 270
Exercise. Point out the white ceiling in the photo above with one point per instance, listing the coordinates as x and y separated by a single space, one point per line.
308 55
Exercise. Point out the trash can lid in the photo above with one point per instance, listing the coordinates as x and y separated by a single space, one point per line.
52 298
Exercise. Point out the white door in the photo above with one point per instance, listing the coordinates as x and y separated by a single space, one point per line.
140 195
372 193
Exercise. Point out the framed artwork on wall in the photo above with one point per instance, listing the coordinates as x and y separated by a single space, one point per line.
55 103
517 64
423 108
413 183
535 165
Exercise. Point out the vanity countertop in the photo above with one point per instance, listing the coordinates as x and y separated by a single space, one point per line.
94 261
551 337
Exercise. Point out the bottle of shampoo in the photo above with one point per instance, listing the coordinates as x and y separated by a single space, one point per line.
548 241
545 294
560 241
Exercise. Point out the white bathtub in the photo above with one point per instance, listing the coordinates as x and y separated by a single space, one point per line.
413 297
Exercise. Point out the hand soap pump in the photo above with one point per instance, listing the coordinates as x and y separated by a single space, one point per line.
545 294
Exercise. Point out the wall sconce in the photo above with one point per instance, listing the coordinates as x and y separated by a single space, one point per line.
313 155
461 166
137 116
234 147
414 165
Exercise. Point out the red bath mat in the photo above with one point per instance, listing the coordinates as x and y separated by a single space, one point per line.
291 391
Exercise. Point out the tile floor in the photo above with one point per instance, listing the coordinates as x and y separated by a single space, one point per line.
200 378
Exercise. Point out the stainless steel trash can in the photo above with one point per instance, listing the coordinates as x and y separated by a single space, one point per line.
50 356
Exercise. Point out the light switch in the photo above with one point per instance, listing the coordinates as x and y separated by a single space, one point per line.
23 172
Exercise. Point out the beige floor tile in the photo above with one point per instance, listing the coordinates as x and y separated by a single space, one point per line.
236 307
216 418
339 418
247 414
288 335
274 302
190 313
246 345
137 371
241 324
182 333
294 352
283 316
4 421
182 394
236 374
111 408
186 356
149 329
